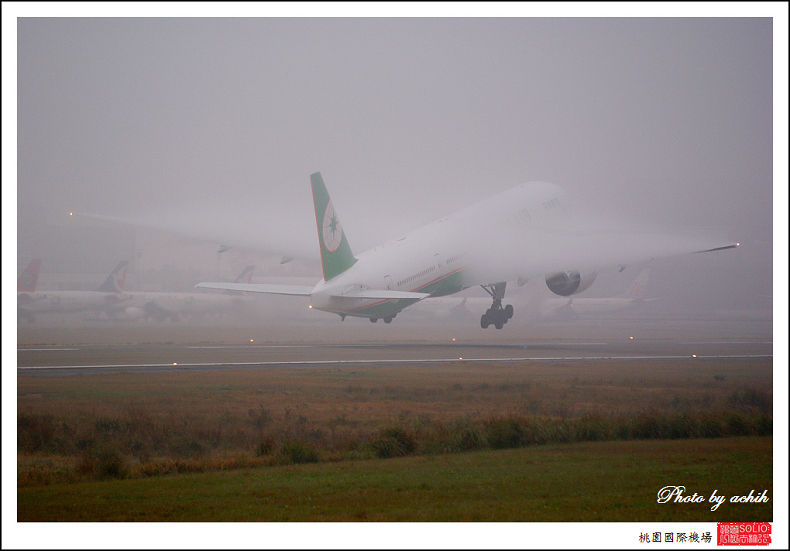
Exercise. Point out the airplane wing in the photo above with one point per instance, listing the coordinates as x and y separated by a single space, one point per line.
305 290
277 234
510 254
293 290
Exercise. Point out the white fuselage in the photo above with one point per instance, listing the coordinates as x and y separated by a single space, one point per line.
52 302
432 259
174 305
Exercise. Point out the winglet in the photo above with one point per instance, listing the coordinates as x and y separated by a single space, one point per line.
336 255
723 247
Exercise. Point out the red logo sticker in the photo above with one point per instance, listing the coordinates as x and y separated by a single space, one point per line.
743 533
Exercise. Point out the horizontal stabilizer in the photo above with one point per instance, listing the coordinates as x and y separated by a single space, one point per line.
380 294
295 290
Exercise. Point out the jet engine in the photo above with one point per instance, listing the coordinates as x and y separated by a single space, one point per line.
566 284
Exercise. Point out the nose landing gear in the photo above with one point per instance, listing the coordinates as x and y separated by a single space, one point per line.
496 315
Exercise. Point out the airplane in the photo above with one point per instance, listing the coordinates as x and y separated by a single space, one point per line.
161 306
108 294
519 234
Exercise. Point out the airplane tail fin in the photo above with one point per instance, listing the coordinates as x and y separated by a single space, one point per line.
336 255
27 280
246 275
114 282
637 289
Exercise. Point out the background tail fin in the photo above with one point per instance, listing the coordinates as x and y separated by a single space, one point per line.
336 255
246 275
637 288
114 282
27 280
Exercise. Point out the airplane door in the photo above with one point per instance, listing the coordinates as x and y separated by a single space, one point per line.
388 282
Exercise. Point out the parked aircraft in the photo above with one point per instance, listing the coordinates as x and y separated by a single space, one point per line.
162 306
574 307
26 289
57 302
523 233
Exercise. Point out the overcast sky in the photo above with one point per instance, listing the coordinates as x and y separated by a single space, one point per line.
666 120
432 112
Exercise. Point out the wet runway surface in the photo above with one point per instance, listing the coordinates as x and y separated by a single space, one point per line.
83 359
63 349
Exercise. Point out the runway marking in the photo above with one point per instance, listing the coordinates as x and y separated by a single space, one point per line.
405 361
390 345
42 349
728 342
398 345
223 346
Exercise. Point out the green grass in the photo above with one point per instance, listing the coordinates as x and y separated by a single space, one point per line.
589 481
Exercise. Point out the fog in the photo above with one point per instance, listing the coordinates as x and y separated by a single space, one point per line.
207 126
205 130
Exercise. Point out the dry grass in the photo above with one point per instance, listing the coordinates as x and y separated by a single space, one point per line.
130 425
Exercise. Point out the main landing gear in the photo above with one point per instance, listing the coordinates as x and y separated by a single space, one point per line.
496 315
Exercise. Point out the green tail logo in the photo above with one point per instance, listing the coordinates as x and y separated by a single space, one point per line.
336 255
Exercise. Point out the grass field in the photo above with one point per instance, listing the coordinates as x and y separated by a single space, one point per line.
590 481
513 441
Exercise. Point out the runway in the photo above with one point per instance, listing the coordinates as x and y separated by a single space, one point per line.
72 348
85 359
